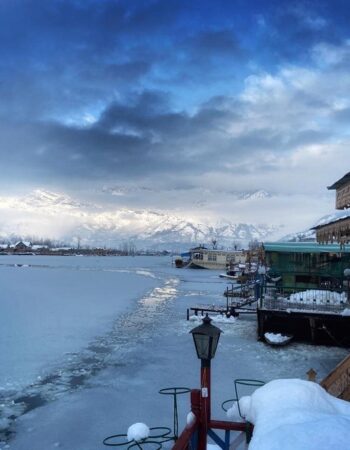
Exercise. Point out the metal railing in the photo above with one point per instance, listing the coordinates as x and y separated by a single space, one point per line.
291 298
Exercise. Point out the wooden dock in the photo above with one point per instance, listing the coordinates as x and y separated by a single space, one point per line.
319 327
337 382
233 308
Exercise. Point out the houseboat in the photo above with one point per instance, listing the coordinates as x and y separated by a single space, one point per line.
306 292
203 258
306 265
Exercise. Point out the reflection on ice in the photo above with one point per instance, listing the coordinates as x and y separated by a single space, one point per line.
109 349
161 294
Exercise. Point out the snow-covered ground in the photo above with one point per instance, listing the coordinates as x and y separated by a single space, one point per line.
87 342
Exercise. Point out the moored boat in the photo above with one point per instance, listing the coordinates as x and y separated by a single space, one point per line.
203 258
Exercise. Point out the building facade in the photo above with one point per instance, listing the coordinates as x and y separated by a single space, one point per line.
337 229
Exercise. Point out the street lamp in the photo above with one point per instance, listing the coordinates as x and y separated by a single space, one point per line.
347 276
206 337
260 285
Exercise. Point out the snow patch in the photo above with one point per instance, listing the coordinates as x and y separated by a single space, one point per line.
137 432
213 447
219 318
276 338
191 418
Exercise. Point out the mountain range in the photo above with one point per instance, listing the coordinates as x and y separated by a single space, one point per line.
161 231
59 217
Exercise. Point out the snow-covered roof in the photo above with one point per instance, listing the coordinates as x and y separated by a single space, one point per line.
26 243
335 217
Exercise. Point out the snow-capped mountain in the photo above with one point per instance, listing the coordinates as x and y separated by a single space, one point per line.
254 195
57 216
157 230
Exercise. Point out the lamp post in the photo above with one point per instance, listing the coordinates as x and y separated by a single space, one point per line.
206 337
347 276
262 273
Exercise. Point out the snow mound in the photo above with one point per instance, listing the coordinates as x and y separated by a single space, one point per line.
137 432
319 297
244 406
297 415
276 338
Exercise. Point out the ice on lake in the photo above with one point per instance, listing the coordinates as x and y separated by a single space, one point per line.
86 344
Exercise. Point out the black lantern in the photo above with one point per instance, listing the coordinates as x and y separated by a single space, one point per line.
206 337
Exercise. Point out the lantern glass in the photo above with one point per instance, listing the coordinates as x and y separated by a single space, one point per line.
206 338
202 344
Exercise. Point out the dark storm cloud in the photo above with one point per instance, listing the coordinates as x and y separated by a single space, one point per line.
292 28
130 139
214 45
62 57
140 138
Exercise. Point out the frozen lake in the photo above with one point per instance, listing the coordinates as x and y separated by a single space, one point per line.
87 342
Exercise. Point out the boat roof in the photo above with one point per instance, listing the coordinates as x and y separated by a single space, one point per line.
304 247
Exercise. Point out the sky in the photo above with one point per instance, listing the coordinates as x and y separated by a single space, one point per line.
176 107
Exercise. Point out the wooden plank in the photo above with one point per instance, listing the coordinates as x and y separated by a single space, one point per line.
337 382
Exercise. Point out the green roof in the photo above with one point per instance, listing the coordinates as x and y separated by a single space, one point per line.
304 247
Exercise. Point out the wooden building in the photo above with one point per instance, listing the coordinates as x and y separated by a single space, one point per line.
338 228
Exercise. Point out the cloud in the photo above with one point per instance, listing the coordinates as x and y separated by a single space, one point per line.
142 135
174 104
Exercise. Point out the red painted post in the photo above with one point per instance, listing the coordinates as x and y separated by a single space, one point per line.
205 405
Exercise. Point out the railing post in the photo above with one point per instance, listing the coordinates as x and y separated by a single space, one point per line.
196 402
189 436
196 410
